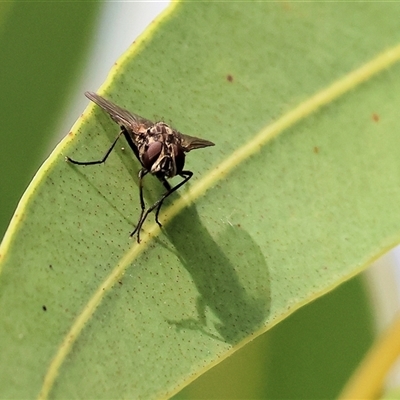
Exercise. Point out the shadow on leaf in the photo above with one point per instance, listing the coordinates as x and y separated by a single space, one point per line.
230 273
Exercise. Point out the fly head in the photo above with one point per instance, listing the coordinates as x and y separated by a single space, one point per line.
161 152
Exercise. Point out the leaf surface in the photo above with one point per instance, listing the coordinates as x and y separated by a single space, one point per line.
300 193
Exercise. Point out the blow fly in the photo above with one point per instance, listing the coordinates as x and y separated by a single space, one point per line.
159 148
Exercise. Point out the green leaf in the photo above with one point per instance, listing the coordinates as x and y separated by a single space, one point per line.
300 193
391 394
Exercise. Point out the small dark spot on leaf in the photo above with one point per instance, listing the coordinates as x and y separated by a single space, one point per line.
316 149
71 133
375 117
120 282
44 308
50 266
286 6
229 78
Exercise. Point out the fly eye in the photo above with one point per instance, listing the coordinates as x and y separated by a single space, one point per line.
151 154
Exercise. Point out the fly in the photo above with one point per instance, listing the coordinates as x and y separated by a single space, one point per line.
159 148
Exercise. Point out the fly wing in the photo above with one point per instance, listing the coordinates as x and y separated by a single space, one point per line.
119 115
192 143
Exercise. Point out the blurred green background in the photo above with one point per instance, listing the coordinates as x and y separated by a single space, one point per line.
310 355
44 49
44 46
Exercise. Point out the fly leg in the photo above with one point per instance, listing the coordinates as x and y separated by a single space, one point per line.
168 187
142 173
186 175
97 161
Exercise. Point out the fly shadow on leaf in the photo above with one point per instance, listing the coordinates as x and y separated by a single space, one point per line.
230 274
